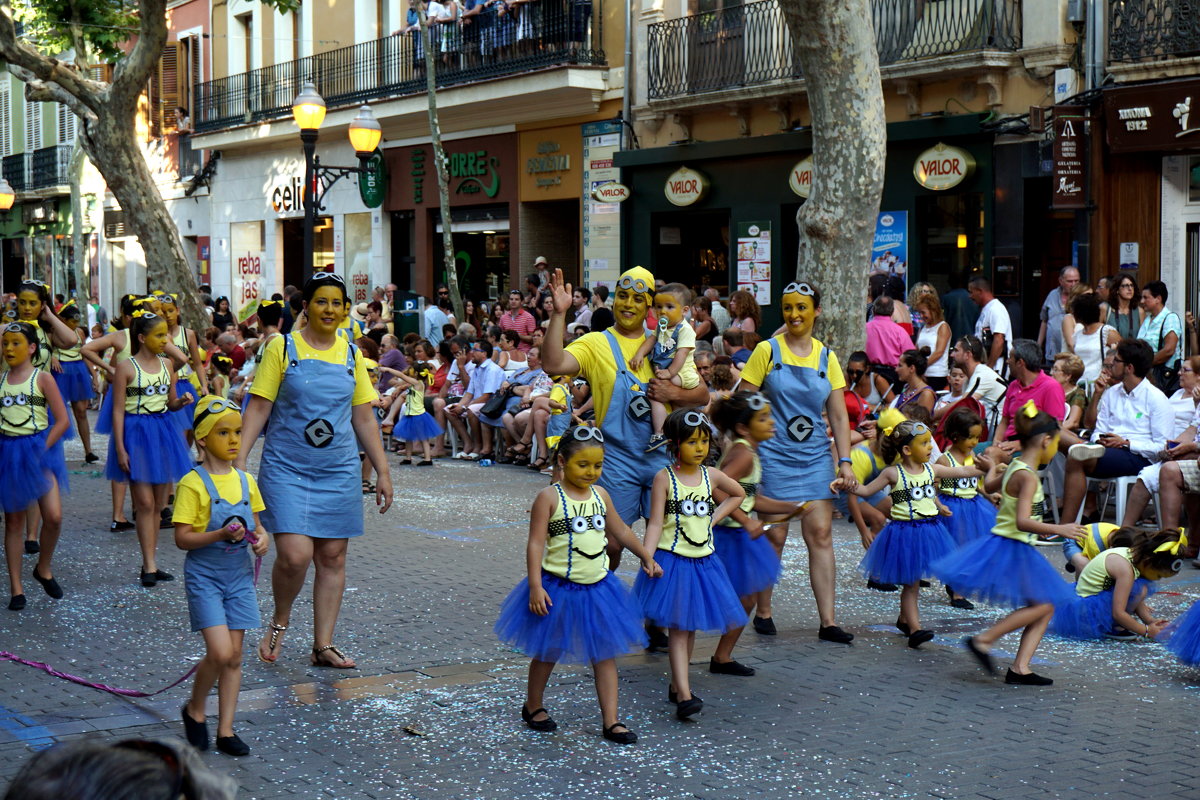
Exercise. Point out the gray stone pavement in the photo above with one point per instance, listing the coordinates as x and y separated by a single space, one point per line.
433 710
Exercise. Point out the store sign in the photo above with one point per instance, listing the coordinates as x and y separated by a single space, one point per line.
289 197
475 173
612 192
1069 147
418 176
801 178
685 186
943 167
549 164
372 182
1164 116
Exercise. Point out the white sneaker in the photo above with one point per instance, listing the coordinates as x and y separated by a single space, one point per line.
1085 452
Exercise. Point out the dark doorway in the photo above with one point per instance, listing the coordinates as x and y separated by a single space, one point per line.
403 253
692 248
14 263
294 271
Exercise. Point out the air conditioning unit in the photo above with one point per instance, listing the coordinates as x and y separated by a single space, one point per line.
39 213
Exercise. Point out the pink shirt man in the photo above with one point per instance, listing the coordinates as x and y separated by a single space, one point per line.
886 341
1046 394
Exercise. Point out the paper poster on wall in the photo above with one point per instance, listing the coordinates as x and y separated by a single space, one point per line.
247 257
754 259
1129 255
889 253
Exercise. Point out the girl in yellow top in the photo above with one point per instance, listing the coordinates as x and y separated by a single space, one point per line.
1113 587
915 535
416 424
191 373
31 456
570 607
694 593
1005 568
74 378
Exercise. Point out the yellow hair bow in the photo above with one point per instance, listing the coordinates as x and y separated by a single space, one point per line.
143 312
888 430
69 304
1029 409
269 303
221 358
1173 547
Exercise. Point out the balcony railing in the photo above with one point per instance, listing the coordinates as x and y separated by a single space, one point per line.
1153 30
750 44
548 33
16 171
49 167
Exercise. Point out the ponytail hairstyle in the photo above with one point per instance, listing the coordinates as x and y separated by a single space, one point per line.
680 426
1123 537
26 330
144 321
895 439
736 409
223 363
1158 550
1031 422
270 312
917 359
128 306
69 311
422 371
575 439
959 423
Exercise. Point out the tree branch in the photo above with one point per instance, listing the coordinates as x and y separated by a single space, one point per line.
49 92
133 71
49 70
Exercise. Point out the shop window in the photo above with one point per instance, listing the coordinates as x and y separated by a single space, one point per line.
1193 179
949 236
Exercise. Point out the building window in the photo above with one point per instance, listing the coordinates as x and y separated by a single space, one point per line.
5 119
246 28
66 125
1193 179
33 126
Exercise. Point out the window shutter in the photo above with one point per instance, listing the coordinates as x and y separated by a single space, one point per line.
5 119
164 90
33 126
66 125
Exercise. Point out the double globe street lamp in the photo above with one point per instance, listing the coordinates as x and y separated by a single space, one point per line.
308 109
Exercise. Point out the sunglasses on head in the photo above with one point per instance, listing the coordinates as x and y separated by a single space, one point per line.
694 419
756 402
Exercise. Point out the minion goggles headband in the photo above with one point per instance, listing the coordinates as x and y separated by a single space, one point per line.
801 288
217 406
636 284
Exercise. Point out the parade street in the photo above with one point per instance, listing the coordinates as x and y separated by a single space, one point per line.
433 710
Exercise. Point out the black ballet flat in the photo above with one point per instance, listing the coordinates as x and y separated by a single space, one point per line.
962 602
195 732
620 737
832 633
161 576
546 725
729 668
1029 679
232 746
32 547
903 627
149 579
764 626
689 708
919 637
673 697
49 584
984 658
17 603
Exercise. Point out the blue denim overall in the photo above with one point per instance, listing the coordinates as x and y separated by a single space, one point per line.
219 577
796 463
310 477
628 470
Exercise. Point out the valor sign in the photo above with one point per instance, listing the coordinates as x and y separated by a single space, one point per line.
800 180
943 167
685 186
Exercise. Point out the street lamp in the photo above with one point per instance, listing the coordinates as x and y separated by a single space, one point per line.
7 195
308 109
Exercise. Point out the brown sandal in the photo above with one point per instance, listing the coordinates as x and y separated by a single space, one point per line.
317 662
272 642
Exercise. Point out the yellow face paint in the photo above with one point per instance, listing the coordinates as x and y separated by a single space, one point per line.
629 309
29 306
326 310
1050 452
16 349
920 448
762 425
584 466
694 449
170 312
668 307
799 313
224 441
157 338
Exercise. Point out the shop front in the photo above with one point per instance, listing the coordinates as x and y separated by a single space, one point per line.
551 185
35 242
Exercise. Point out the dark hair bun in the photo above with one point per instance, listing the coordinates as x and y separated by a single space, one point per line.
925 351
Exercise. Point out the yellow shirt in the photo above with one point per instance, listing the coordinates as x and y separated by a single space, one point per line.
70 353
596 365
912 495
865 464
689 378
687 518
963 488
148 392
1105 529
193 503
1094 578
1006 517
269 373
749 483
414 406
23 409
575 539
759 363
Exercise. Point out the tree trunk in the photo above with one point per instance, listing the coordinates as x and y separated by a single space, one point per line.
443 172
835 46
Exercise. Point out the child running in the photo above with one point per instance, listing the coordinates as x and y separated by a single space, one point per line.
694 593
416 424
216 522
570 607
915 536
670 351
74 379
972 515
748 557
1113 587
1005 568
33 419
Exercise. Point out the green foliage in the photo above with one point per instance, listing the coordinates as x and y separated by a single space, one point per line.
102 25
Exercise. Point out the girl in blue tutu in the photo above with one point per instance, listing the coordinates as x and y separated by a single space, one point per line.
915 535
190 370
694 593
147 449
1006 566
33 419
748 557
1113 587
972 515
570 607
416 424
74 378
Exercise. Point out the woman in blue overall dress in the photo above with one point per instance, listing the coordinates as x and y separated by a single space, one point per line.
315 389
797 464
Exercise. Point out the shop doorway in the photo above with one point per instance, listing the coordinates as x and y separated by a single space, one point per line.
13 252
1049 242
949 233
294 273
692 248
482 252
403 254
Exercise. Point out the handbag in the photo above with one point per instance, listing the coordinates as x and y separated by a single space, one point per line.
494 407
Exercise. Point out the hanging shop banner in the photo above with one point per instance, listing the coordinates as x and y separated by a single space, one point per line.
943 167
754 259
601 204
800 179
1155 116
372 181
685 187
247 244
1069 148
889 253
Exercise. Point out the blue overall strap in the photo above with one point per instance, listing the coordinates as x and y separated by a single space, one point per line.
1097 538
907 489
209 486
246 499
570 531
351 351
292 357
823 369
140 382
618 356
776 356
599 503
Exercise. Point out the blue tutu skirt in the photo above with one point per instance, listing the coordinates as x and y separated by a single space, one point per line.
1091 617
588 622
29 470
104 418
1182 637
1003 571
693 594
417 428
751 564
904 551
184 417
972 519
157 451
74 382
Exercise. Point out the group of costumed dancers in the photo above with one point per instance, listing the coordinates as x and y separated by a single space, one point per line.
711 551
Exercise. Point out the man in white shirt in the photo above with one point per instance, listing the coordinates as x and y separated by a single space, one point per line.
720 314
993 320
484 378
1133 423
1050 334
982 381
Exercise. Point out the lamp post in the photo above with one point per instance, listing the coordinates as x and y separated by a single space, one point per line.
308 109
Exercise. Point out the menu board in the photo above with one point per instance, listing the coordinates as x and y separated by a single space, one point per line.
754 260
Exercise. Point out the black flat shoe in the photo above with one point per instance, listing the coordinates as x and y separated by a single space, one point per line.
232 746
919 637
91 458
881 587
544 725
765 626
658 638
832 633
689 708
672 697
17 602
620 737
729 668
195 732
163 576
426 463
123 525
49 584
924 584
962 602
31 547
1029 679
984 658
149 579
902 626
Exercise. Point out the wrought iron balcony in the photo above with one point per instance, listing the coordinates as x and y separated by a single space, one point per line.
16 171
750 44
549 33
1153 30
49 167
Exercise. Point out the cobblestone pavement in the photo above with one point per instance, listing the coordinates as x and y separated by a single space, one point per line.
433 710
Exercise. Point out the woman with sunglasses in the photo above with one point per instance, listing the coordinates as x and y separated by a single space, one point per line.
1124 312
802 379
314 388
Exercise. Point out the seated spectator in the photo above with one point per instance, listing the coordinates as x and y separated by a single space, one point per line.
958 390
704 364
910 371
1028 383
484 377
873 389
1068 370
227 343
886 340
702 321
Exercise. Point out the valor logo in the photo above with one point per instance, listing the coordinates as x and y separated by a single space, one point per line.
318 433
